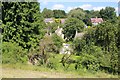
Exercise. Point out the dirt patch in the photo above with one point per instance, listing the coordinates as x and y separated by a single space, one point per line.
18 73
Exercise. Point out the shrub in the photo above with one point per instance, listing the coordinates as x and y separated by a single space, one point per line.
90 57
12 53
58 41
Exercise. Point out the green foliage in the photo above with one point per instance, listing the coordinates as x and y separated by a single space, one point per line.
77 13
47 13
78 45
91 14
105 36
53 26
108 13
87 22
13 53
23 23
47 44
90 55
59 14
71 25
89 62
58 41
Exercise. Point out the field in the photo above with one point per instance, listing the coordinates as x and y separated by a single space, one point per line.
30 71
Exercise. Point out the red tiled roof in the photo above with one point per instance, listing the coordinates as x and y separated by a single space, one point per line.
96 20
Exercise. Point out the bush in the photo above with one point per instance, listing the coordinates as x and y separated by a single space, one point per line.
58 41
12 53
91 57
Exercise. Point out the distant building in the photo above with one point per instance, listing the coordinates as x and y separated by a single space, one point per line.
79 35
59 32
96 21
49 20
62 21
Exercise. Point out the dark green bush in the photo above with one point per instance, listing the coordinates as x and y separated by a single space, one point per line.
12 53
90 58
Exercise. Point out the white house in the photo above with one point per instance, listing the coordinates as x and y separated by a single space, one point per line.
59 32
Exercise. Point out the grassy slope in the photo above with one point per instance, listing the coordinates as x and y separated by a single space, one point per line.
26 70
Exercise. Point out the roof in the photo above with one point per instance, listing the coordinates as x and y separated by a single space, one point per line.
96 20
79 35
48 20
62 20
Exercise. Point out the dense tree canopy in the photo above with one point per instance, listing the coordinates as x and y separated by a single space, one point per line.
77 13
71 26
59 13
22 23
104 37
47 13
108 13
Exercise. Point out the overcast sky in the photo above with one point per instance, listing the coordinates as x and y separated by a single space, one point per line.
68 5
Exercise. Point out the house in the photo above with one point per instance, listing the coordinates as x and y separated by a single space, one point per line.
79 35
96 21
62 21
48 20
59 32
51 20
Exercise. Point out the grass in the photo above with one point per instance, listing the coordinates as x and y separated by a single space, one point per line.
76 74
84 73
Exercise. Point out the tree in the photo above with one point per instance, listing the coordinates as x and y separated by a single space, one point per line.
23 23
57 42
71 26
53 26
77 13
108 13
59 13
105 36
47 13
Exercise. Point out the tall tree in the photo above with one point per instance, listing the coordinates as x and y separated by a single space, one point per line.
59 13
71 26
108 13
23 23
47 13
77 13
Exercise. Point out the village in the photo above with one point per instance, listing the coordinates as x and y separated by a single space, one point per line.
59 31
65 40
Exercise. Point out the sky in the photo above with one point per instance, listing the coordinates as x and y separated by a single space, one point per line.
86 5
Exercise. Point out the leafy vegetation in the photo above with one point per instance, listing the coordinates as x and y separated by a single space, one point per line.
23 23
13 53
27 38
71 26
47 13
108 13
